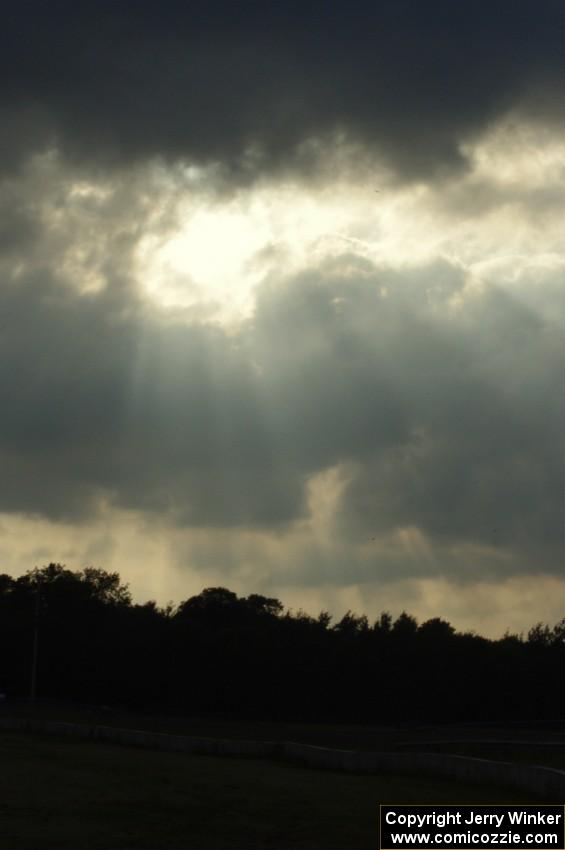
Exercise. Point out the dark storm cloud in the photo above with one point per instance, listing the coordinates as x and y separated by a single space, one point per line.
253 85
150 415
448 417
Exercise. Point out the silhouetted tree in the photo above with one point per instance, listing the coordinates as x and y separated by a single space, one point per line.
220 654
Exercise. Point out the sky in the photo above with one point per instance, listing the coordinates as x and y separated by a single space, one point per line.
282 301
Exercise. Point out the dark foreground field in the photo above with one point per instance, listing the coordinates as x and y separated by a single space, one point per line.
69 795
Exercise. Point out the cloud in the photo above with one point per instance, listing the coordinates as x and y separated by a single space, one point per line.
222 355
432 395
446 411
268 88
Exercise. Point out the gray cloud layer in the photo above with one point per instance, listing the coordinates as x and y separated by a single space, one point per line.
251 85
439 402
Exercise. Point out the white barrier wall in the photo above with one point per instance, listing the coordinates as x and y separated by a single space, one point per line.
542 782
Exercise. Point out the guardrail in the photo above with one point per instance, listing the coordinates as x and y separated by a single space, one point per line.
542 782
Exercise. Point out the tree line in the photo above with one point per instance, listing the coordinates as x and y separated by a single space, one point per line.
220 654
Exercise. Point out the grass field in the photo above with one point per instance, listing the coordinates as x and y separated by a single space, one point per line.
58 794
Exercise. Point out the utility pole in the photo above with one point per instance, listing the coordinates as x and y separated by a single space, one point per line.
35 648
